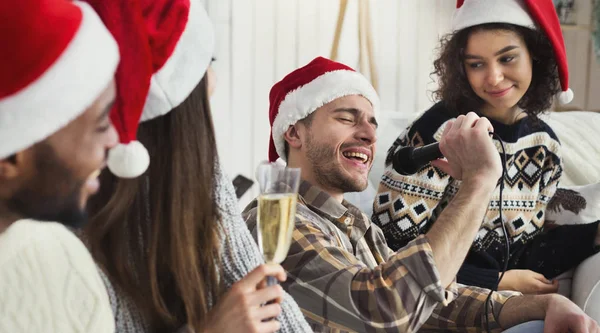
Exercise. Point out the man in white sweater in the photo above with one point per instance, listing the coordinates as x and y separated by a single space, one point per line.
57 64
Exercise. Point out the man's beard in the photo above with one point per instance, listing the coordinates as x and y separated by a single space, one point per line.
327 172
53 195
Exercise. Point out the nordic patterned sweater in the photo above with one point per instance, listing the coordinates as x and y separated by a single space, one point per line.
239 256
407 206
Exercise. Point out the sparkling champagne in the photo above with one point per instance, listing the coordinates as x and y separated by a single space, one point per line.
276 216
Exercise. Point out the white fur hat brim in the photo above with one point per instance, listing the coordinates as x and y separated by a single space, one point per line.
476 12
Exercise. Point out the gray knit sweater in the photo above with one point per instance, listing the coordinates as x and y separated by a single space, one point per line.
239 256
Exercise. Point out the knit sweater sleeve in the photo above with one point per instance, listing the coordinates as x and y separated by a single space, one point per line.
405 206
560 248
50 282
552 171
476 276
240 254
128 317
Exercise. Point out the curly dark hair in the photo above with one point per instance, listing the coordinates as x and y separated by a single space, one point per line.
454 88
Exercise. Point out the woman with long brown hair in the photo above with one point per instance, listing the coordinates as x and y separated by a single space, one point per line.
171 242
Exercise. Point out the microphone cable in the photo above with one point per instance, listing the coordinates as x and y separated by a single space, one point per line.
506 240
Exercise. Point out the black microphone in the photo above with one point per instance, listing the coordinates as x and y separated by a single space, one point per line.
408 160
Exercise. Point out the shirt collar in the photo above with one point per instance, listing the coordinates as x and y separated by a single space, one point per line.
315 197
325 204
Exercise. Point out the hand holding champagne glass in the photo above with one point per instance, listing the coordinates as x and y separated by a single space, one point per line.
276 211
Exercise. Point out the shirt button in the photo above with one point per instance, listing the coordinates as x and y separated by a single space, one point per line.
347 220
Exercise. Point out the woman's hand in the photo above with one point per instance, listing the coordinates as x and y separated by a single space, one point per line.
244 307
527 282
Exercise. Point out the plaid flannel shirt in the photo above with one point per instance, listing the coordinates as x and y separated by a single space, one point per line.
345 278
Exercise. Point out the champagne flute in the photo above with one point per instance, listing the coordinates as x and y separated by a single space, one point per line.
276 211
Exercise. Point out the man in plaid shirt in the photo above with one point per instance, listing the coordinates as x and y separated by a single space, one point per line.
340 270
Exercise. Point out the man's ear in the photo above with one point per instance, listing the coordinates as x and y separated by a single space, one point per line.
9 166
293 136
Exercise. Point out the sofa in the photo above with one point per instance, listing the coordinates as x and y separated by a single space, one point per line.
579 133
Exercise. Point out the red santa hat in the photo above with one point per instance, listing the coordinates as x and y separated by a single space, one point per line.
57 58
166 46
308 88
179 71
526 13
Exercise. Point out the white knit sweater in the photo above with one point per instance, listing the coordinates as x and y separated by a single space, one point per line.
49 282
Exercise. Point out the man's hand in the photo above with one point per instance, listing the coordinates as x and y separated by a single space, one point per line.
562 315
527 282
469 151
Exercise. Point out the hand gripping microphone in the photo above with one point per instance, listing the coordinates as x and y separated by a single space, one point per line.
409 160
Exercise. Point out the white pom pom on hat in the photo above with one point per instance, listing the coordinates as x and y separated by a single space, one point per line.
565 97
128 160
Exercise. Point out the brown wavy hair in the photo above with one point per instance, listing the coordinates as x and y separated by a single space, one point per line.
156 235
456 92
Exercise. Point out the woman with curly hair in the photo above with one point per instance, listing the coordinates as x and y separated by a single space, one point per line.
505 60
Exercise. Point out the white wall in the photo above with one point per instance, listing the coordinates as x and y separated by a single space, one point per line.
260 41
584 69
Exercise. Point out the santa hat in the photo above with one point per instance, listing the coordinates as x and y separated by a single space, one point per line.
166 46
308 88
179 71
525 13
57 58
